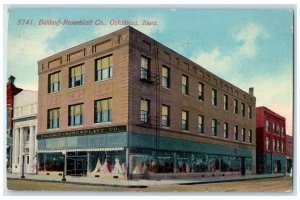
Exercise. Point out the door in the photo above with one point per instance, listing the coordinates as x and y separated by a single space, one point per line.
243 167
77 164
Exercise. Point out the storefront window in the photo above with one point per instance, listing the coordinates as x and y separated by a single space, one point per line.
51 162
235 164
200 163
248 164
225 163
213 163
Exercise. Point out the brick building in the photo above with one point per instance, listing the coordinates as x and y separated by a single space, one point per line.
289 152
270 141
125 106
11 91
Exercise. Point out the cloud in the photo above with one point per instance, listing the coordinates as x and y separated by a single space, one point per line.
248 36
214 60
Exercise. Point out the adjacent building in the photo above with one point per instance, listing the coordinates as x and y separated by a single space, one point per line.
24 135
289 152
125 106
270 141
11 91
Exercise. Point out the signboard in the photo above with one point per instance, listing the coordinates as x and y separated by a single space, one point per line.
94 131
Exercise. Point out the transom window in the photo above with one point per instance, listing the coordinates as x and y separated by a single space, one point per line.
53 118
165 77
145 68
76 115
54 82
104 68
103 110
165 116
76 76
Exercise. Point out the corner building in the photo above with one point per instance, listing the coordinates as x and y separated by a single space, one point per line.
126 106
271 141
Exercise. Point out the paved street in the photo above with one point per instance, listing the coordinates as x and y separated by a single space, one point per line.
280 184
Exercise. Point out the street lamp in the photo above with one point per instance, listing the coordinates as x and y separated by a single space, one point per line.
65 166
23 158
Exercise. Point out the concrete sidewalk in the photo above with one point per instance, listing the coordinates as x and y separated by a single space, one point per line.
139 183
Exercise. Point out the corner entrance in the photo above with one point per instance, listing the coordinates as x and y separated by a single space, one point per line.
76 163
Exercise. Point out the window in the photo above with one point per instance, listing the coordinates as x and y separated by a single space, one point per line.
214 97
165 116
201 124
225 130
278 145
54 82
249 112
145 107
201 91
165 77
250 136
236 106
76 115
225 102
76 76
104 68
278 129
274 128
27 160
53 118
274 144
184 120
145 68
282 131
243 110
243 135
236 133
268 143
103 110
185 85
268 124
282 147
214 127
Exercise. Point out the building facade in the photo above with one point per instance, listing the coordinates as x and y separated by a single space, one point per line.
24 135
126 106
11 91
289 152
270 141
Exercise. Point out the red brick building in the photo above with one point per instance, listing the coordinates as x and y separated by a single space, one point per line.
11 91
270 141
289 152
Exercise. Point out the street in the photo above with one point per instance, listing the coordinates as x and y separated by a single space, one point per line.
282 184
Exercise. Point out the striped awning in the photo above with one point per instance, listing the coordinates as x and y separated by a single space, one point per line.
76 150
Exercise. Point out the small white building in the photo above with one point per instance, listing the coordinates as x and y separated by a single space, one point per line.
24 132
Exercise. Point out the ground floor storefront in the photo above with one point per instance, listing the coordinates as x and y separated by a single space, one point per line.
270 163
132 156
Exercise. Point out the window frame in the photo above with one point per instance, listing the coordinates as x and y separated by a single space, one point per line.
167 116
166 78
72 122
50 88
214 127
50 122
201 124
225 102
145 72
101 115
214 97
72 84
185 122
226 131
145 114
101 70
200 91
185 87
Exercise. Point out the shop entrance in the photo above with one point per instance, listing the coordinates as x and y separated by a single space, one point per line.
76 163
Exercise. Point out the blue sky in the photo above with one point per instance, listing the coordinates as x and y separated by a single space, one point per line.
248 48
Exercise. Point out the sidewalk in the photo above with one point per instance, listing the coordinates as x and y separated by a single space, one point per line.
140 183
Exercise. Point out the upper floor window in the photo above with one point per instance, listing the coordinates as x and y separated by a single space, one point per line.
214 97
225 102
274 128
201 91
236 133
236 106
184 120
145 111
185 85
54 82
225 130
104 68
268 143
268 124
278 145
103 110
274 144
165 77
282 146
243 135
243 110
165 116
214 127
201 124
282 131
249 112
75 115
53 118
145 68
278 129
76 76
250 136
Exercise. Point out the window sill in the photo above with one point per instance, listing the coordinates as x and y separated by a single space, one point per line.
166 127
79 86
102 123
166 88
76 126
50 93
202 101
53 129
100 81
185 131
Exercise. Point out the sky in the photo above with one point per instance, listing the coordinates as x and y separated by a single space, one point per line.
248 48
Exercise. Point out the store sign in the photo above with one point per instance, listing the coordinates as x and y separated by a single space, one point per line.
94 131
